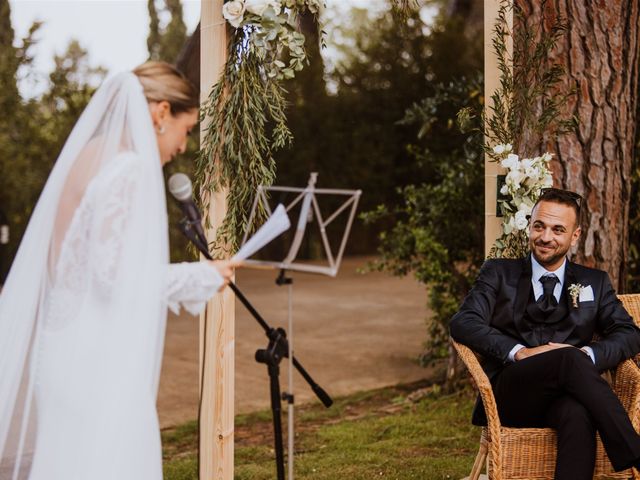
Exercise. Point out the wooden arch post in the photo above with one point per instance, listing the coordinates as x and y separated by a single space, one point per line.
217 324
492 224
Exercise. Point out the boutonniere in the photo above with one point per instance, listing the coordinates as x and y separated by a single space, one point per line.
574 291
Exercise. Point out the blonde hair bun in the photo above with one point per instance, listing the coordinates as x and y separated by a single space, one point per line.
164 82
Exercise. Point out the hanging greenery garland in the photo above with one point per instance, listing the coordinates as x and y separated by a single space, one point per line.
246 108
529 99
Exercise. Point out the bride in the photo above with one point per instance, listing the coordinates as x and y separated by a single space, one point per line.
83 310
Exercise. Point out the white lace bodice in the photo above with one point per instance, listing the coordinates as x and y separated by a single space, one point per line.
93 243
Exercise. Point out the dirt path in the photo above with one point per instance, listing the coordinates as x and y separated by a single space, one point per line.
353 332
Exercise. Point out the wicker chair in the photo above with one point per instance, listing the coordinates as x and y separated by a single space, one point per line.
530 453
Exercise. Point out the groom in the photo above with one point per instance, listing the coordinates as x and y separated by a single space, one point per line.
534 320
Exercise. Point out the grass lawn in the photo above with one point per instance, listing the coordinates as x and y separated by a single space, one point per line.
404 432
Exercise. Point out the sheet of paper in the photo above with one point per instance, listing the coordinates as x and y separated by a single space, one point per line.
277 223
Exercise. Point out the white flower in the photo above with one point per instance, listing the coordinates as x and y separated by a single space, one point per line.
525 179
514 178
533 172
257 7
233 12
520 220
533 175
525 207
511 162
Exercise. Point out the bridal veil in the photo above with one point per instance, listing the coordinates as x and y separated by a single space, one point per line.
82 313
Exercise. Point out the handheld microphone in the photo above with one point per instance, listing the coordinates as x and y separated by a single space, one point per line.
181 189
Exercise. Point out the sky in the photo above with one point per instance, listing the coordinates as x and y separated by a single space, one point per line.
113 31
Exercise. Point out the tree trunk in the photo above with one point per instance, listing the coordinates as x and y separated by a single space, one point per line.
188 61
601 58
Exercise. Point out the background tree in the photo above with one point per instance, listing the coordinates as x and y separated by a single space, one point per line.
18 170
33 131
428 238
9 105
9 62
600 52
345 123
154 39
165 39
71 85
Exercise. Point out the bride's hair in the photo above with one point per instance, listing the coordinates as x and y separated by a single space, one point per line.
163 82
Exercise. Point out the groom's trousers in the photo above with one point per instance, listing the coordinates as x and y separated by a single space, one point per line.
562 389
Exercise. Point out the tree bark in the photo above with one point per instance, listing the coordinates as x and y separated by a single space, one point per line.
600 53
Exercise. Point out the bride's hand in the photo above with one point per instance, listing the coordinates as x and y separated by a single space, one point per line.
225 269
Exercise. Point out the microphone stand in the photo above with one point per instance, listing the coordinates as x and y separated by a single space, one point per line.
288 396
277 349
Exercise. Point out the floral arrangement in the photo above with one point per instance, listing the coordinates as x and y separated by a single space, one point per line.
245 112
272 27
524 181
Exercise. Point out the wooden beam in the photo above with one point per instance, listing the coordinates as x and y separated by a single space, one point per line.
492 223
217 348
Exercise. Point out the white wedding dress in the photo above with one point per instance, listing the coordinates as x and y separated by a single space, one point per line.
78 395
83 312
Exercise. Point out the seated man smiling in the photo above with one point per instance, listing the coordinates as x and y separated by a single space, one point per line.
534 320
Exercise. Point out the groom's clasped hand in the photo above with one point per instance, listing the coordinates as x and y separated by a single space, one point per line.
530 352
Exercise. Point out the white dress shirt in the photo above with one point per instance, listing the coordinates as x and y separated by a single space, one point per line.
537 272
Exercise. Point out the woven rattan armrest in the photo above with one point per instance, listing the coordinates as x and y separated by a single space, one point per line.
627 387
484 387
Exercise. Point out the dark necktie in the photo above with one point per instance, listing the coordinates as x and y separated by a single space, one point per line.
547 302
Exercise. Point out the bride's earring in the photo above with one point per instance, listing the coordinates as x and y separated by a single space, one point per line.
161 129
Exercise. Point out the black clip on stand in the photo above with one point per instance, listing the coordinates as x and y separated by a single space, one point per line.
276 350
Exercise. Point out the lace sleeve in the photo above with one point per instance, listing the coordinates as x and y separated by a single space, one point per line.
191 285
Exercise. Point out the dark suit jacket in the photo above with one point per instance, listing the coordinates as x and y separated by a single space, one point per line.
491 318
